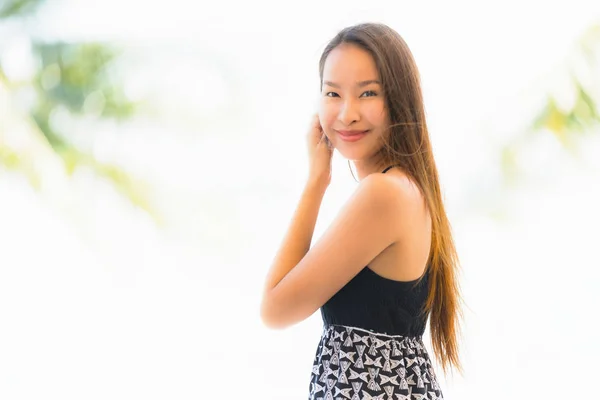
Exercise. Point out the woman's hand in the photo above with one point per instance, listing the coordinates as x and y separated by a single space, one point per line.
320 152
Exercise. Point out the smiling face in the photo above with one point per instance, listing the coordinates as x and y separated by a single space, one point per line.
352 101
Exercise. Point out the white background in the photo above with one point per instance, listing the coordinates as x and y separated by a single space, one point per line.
97 303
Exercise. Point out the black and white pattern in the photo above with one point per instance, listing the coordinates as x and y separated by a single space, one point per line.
357 364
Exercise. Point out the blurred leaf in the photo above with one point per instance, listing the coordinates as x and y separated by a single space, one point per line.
551 118
83 71
580 119
583 116
133 189
585 108
18 8
15 162
83 84
80 78
566 125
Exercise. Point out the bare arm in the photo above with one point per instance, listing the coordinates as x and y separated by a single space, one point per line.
302 279
299 235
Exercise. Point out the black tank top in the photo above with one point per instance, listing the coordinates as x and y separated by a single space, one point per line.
378 304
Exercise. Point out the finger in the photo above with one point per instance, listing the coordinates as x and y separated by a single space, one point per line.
323 138
316 122
313 120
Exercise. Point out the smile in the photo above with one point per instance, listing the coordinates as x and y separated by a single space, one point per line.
352 136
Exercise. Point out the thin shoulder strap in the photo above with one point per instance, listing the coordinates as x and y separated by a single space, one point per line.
388 168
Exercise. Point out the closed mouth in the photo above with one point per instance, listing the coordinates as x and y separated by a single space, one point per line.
351 133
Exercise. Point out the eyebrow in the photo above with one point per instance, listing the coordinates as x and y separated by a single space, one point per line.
359 84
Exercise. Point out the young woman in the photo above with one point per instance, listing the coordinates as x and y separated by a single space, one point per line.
388 262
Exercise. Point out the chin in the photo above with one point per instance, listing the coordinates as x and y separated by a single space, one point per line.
356 151
352 155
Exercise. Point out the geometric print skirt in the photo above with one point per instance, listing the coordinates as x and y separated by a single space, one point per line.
357 364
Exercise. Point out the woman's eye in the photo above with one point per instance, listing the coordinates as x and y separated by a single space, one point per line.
369 93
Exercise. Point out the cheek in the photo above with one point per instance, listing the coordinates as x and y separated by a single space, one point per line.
375 113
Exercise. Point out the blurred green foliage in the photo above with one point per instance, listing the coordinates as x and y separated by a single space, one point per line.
79 78
567 124
577 120
584 114
18 8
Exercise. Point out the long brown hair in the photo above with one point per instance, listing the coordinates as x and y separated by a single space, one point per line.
408 146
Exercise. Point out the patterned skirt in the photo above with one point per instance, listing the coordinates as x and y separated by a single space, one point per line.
357 364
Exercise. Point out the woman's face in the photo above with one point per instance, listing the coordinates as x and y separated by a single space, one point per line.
352 101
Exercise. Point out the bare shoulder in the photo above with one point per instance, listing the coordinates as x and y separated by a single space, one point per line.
394 188
399 197
371 221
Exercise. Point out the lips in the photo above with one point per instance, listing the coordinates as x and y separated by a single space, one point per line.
352 136
351 133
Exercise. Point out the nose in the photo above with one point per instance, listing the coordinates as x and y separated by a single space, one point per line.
349 112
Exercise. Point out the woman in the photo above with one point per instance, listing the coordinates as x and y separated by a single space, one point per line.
387 263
